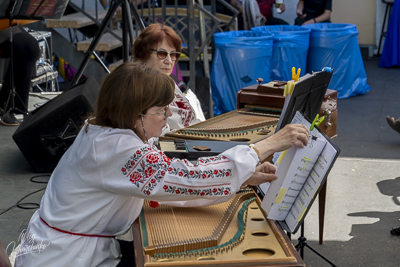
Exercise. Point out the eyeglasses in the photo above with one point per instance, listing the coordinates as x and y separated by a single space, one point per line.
162 54
164 113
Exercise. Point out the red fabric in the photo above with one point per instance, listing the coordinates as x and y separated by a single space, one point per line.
71 233
153 204
266 7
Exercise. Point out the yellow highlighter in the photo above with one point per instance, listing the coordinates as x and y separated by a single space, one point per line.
290 91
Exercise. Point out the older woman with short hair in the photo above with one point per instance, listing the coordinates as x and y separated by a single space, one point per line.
159 47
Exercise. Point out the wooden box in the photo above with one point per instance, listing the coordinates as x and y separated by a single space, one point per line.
329 110
270 96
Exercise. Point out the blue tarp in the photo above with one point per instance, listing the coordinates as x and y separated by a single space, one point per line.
391 49
336 45
240 58
290 50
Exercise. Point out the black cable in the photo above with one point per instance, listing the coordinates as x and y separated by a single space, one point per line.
29 205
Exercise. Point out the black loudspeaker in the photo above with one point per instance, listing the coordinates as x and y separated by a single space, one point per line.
48 131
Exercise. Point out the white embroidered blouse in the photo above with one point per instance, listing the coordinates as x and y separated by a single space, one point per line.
184 113
98 188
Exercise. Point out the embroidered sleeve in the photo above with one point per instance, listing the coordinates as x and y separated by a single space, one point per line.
152 172
183 113
183 110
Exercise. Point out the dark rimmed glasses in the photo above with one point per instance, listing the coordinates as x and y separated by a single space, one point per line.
164 113
162 54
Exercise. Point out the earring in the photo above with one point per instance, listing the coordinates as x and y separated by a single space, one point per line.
144 131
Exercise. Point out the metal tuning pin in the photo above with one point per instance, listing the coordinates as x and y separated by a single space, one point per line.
328 117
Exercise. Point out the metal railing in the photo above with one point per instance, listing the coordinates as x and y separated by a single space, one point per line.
194 22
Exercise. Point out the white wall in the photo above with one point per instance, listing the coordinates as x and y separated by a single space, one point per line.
290 14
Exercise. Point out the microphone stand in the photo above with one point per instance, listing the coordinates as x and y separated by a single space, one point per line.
13 93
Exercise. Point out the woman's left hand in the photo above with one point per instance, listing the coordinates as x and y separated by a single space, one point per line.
264 173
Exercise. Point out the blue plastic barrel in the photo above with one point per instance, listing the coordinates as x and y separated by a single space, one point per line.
240 58
290 50
336 45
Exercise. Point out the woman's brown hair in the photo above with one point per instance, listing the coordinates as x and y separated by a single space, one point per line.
151 36
128 90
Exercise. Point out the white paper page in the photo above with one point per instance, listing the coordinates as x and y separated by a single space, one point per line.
297 119
283 164
311 186
292 174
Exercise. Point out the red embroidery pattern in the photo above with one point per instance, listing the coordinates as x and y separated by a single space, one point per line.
148 166
204 192
185 109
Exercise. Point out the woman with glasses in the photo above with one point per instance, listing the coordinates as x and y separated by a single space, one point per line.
159 47
97 189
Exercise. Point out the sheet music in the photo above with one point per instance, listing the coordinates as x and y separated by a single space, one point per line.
311 186
301 172
294 167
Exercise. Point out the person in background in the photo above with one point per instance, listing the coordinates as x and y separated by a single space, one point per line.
313 11
97 189
160 47
266 9
393 123
25 54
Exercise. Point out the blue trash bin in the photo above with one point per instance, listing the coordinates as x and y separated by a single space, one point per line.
290 50
336 45
240 58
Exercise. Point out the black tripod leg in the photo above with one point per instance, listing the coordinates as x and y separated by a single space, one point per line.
319 254
303 243
95 41
13 93
300 246
14 109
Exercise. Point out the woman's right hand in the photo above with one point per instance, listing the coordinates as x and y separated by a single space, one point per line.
285 138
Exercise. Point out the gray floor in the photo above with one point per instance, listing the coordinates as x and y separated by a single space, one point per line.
363 198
